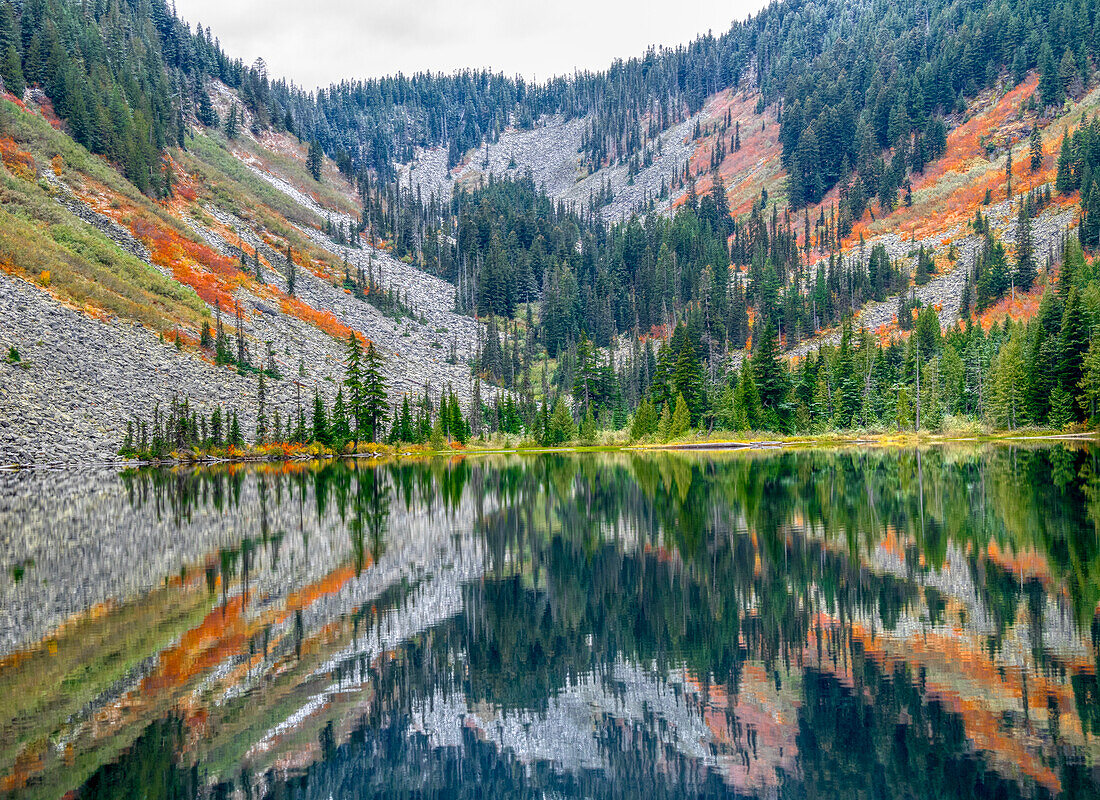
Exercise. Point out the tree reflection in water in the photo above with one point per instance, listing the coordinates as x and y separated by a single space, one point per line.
797 624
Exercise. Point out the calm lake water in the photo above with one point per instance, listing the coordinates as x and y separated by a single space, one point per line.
825 624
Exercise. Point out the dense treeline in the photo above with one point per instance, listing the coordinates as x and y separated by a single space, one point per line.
507 244
1045 372
124 75
850 80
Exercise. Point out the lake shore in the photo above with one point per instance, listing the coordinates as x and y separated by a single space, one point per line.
379 452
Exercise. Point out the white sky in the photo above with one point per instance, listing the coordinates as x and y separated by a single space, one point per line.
318 42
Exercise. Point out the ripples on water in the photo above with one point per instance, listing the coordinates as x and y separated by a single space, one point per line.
810 624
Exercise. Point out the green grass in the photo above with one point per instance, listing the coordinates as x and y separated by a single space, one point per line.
38 235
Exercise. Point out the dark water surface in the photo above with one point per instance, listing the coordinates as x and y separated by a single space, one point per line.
826 624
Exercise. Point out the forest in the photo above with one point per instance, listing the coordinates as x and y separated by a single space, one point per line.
577 307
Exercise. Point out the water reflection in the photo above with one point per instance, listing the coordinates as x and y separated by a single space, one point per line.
795 624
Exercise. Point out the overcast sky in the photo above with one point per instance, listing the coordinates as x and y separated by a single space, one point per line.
317 42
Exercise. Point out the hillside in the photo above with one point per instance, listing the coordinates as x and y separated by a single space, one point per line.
598 242
99 283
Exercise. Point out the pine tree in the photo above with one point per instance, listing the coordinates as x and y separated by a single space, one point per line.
1073 341
1036 142
353 380
681 419
341 430
291 271
11 67
232 123
1089 399
375 403
1024 274
1065 180
748 414
561 429
320 421
1050 85
1061 408
771 379
588 427
261 419
664 425
315 159
645 420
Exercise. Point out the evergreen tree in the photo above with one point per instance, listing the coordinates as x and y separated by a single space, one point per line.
771 379
374 392
1036 146
748 414
664 425
233 123
1073 341
353 380
645 420
681 418
315 159
1025 272
1061 408
341 430
320 424
561 428
291 271
1050 85
588 427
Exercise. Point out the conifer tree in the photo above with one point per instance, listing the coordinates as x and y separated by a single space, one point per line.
291 271
562 428
341 431
320 426
771 378
1036 143
645 420
588 427
314 159
232 123
261 417
681 418
353 380
664 425
375 403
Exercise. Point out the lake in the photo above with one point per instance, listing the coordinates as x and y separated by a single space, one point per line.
857 622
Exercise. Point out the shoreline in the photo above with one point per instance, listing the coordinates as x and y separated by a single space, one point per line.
878 440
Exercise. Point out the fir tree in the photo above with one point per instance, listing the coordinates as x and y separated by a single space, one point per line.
374 392
353 380
681 418
770 376
291 271
1036 144
588 427
232 123
320 424
315 159
1061 408
561 429
645 420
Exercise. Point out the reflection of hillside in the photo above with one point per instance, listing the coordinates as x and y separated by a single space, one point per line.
705 625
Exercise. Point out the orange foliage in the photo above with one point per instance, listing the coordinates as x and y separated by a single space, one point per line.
323 320
19 162
746 171
996 121
45 107
1021 306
